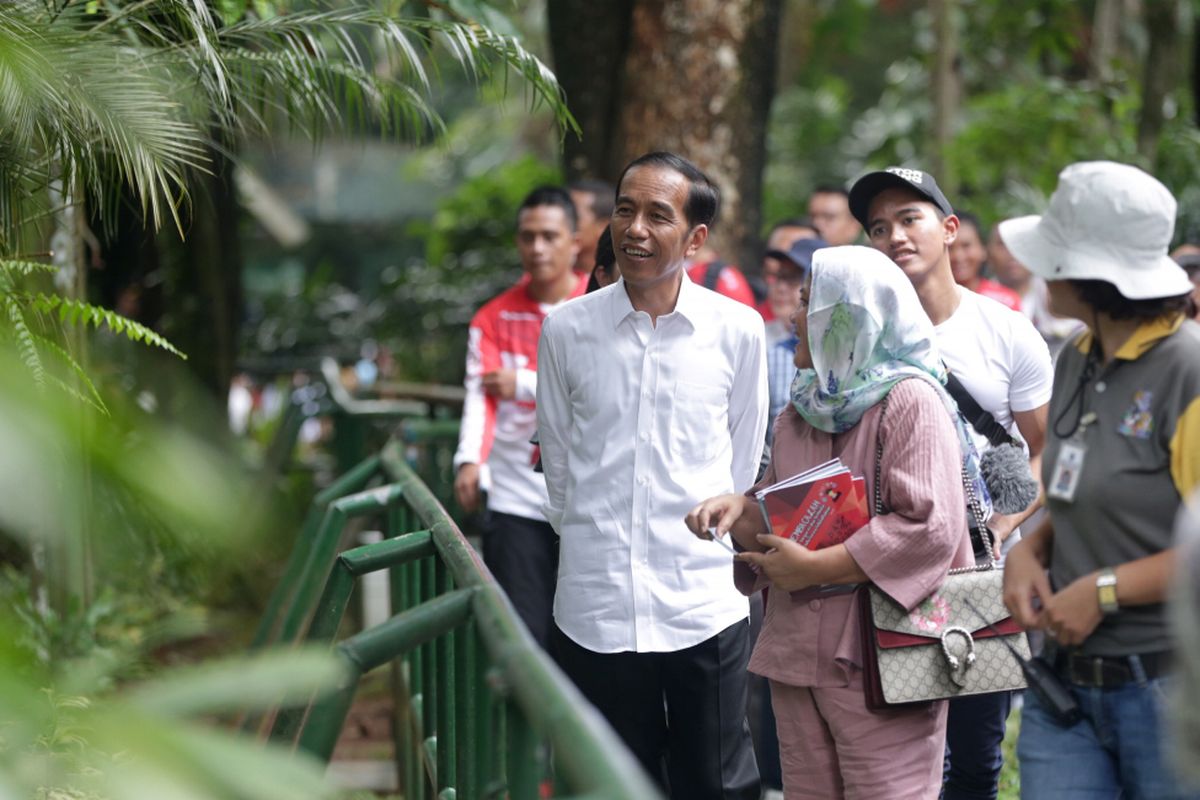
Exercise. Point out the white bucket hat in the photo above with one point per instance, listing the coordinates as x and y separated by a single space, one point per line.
1106 221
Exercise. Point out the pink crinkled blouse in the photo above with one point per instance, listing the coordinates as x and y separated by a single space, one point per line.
906 552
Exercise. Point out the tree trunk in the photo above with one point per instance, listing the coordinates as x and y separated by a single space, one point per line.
947 89
589 42
204 299
1106 33
1162 29
695 77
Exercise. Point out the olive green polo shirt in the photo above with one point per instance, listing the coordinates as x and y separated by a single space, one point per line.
1142 459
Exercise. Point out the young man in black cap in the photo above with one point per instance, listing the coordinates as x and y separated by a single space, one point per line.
1001 361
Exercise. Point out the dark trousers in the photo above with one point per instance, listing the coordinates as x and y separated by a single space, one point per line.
684 710
522 554
760 712
974 731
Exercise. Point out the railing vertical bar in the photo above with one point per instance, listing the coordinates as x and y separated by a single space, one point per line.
485 717
428 656
444 654
328 716
332 606
465 753
352 481
522 755
324 543
403 746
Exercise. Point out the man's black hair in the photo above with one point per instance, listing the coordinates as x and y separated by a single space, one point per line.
606 257
967 218
1105 298
551 196
792 222
830 188
602 193
704 198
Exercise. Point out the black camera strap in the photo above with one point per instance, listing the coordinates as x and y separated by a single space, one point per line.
980 420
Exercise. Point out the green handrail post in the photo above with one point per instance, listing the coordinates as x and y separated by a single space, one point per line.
324 548
466 750
524 774
444 655
352 481
372 648
480 711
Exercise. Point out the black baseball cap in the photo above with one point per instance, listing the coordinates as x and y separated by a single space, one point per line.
868 186
800 253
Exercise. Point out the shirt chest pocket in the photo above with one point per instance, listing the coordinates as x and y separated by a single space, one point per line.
699 425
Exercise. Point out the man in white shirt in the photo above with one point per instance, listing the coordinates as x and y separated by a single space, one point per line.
652 396
1001 361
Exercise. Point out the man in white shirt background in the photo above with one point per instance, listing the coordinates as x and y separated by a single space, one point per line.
652 396
494 453
1001 361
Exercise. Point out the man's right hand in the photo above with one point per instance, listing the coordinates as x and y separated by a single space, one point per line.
466 487
1024 582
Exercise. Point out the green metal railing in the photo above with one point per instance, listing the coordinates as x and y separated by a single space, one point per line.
479 709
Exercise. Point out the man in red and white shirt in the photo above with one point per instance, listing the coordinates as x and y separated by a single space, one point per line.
494 450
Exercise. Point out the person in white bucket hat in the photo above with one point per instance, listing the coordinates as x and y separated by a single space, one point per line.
1122 451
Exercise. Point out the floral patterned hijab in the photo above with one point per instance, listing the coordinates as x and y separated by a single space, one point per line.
867 332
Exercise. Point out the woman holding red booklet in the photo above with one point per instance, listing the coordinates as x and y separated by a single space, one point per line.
869 381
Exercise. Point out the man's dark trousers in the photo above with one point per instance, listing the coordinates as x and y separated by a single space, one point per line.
522 554
974 731
687 708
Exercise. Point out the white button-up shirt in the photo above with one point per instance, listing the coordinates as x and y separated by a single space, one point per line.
639 422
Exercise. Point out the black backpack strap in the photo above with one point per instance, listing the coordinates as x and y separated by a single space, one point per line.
713 273
980 420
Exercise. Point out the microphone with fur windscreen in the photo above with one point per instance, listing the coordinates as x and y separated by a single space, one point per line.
1006 472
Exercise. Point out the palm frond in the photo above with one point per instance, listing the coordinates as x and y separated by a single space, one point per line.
90 111
320 58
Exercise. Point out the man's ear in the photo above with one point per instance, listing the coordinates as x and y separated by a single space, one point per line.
696 240
950 229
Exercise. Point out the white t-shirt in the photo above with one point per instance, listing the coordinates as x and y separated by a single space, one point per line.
1000 359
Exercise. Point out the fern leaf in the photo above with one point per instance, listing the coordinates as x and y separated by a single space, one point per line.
54 348
74 311
20 269
78 395
24 336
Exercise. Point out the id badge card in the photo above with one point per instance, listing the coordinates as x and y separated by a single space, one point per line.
1065 477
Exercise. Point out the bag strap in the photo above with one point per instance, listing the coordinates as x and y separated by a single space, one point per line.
968 489
980 420
713 273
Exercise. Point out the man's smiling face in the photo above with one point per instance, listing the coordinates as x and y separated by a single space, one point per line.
651 234
907 229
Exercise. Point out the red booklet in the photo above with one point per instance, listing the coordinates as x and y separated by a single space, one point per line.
818 508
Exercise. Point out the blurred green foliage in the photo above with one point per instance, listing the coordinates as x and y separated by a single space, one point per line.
87 710
470 257
859 97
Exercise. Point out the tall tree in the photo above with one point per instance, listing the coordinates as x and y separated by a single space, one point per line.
1163 18
693 76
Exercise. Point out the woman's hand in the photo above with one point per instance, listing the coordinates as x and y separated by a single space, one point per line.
720 512
1071 615
788 565
1025 582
